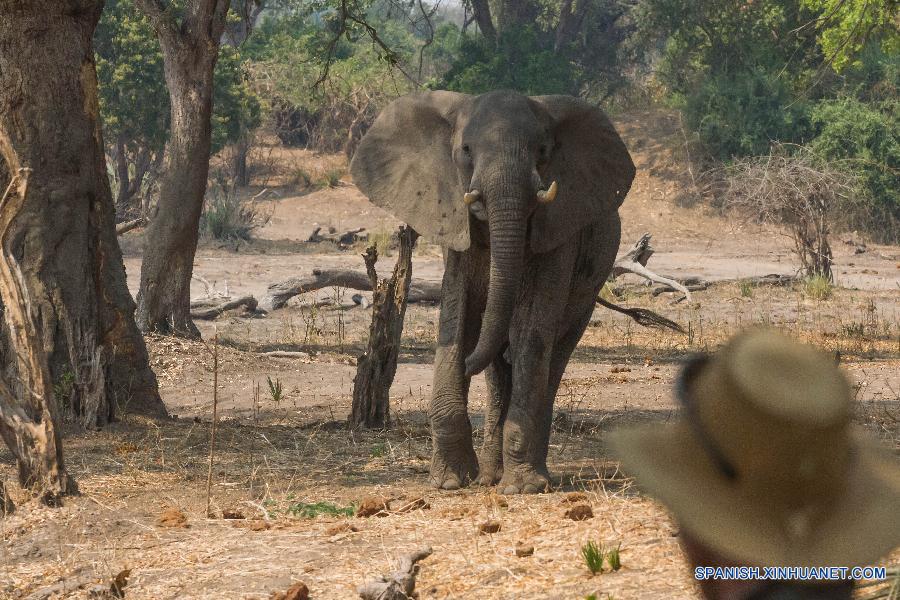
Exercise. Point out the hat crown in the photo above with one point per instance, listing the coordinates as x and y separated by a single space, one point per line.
779 413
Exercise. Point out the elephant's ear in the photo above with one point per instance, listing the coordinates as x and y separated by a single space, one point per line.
591 166
404 164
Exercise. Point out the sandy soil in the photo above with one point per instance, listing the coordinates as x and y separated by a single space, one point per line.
278 453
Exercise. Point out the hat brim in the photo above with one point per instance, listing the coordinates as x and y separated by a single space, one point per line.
861 526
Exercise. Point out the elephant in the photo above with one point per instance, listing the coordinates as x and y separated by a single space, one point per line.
522 193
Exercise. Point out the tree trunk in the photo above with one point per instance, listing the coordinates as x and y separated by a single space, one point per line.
64 238
122 194
376 368
239 165
190 50
482 10
29 421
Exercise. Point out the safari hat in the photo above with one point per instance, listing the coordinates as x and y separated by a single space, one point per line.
763 465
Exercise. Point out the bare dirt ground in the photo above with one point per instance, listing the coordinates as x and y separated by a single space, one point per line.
289 466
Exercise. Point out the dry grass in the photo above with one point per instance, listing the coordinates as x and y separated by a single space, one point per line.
282 456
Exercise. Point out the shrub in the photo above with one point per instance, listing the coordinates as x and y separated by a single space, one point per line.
866 139
520 61
740 114
225 217
795 191
817 287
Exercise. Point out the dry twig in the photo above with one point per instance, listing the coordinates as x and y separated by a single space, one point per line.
400 584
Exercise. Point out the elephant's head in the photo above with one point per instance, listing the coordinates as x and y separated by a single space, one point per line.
537 169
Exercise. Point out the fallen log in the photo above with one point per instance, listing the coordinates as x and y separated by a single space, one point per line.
348 238
399 585
278 294
126 226
635 261
202 309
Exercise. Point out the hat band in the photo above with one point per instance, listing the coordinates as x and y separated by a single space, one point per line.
692 367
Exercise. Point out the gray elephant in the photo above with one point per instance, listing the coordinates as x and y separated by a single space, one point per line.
523 194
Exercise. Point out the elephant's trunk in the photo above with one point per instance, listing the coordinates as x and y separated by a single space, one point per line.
507 224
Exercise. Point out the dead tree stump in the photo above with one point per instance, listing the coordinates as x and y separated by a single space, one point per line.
376 368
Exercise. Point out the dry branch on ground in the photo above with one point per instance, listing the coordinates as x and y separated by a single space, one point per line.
126 226
400 584
635 261
209 309
343 240
279 293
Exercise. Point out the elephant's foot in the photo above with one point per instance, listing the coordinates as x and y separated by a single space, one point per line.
524 479
453 470
490 467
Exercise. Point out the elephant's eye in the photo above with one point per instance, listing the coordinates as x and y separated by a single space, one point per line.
542 153
467 150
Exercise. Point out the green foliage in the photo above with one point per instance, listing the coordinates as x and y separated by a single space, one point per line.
596 555
276 389
593 556
289 61
818 287
613 558
311 511
847 25
236 107
134 101
740 114
332 178
520 61
866 138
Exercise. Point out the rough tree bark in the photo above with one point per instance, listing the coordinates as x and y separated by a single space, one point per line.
376 368
190 48
64 237
482 11
29 423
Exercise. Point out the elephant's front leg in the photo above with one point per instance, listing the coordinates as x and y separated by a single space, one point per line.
524 461
453 462
499 388
533 335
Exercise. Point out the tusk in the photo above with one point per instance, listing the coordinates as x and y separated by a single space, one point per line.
545 197
472 196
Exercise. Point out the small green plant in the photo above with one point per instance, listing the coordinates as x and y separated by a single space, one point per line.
613 559
313 510
276 390
817 287
332 178
62 389
746 289
379 450
593 556
301 177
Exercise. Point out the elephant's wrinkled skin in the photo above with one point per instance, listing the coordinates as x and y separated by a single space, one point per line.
524 259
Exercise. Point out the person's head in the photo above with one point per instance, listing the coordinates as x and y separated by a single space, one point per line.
763 468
